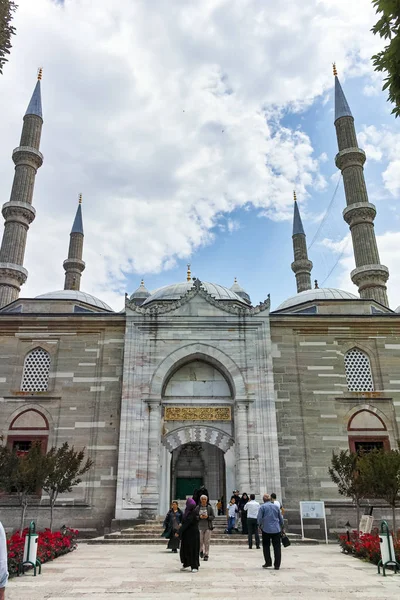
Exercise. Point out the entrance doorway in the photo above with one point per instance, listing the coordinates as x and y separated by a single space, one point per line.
195 464
186 485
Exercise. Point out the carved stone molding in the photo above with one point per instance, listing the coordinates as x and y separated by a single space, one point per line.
159 308
370 276
25 155
21 212
302 265
350 157
361 212
11 274
197 413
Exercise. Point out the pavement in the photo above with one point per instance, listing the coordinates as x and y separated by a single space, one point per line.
152 573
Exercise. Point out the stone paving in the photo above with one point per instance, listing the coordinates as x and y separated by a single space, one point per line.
152 573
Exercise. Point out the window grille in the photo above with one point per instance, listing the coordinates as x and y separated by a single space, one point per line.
358 371
35 377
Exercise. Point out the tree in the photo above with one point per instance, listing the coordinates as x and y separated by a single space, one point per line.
7 7
345 472
382 471
388 60
65 470
23 474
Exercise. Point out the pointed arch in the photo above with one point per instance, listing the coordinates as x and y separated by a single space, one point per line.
358 371
36 371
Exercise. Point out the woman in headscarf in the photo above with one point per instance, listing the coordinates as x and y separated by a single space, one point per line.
190 538
171 526
243 513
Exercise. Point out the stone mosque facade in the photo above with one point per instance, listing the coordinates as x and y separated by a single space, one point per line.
191 383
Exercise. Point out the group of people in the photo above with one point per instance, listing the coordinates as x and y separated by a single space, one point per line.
190 531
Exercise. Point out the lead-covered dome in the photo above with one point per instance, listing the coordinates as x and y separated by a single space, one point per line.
76 295
317 294
177 290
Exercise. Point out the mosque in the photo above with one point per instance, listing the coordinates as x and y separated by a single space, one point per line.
191 383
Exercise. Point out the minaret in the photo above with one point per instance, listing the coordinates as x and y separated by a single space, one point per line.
369 275
74 265
301 266
19 212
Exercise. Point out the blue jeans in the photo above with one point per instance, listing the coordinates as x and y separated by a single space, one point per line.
231 524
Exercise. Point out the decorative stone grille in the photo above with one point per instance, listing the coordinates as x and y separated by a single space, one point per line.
358 371
36 371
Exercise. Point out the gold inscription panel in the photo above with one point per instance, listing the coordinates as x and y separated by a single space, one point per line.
197 413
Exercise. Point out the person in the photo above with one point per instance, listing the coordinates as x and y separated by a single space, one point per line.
243 514
251 509
219 507
275 501
231 514
171 526
236 494
3 562
199 492
190 538
206 516
270 521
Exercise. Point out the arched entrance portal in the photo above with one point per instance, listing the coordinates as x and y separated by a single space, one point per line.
195 464
198 430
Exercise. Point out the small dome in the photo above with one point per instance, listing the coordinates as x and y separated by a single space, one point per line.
397 309
75 295
317 294
240 291
177 290
140 295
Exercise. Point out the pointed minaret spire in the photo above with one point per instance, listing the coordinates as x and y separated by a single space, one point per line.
19 212
301 266
74 265
369 275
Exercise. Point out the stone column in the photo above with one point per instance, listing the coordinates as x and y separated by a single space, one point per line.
151 491
242 444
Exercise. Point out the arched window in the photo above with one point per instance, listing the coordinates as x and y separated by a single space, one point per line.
367 432
28 427
358 371
35 377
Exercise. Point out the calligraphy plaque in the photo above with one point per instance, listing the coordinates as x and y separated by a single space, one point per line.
197 413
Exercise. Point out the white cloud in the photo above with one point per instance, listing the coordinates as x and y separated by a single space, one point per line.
382 144
167 115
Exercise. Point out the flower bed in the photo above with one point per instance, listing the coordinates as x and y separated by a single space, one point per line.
366 546
50 545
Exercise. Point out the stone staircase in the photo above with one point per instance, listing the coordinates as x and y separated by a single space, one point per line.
150 533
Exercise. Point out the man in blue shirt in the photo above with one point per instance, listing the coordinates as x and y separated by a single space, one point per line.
271 522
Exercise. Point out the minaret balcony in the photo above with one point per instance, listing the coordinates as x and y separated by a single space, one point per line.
19 212
26 155
350 157
359 212
12 274
369 276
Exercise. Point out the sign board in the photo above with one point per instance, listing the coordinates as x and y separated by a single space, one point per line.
313 510
366 524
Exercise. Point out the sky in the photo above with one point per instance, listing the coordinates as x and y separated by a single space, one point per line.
186 126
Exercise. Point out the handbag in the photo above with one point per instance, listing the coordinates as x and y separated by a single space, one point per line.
285 540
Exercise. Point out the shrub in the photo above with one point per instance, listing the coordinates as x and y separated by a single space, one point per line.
50 545
366 546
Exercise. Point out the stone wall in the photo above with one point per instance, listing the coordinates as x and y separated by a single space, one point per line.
314 406
81 405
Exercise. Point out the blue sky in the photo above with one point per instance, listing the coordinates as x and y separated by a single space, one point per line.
187 126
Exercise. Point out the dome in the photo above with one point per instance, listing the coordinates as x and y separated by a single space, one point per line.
177 290
240 291
317 294
140 295
75 295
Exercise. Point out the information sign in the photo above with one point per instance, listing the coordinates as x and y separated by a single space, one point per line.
313 510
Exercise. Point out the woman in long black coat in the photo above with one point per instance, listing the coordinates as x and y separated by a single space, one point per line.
171 526
190 538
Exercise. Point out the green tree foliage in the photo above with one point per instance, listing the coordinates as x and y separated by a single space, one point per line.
345 472
7 7
382 472
388 60
65 469
23 475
